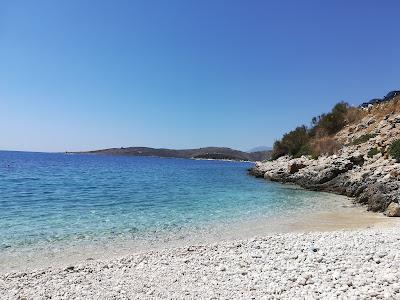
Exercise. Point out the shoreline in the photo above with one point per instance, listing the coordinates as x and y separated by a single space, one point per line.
343 252
345 217
158 156
362 168
346 263
371 182
213 153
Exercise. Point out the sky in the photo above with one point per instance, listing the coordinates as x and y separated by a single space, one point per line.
80 74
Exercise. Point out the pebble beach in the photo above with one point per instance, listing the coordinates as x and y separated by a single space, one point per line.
355 264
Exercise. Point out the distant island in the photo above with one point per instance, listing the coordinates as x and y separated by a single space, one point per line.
260 148
220 153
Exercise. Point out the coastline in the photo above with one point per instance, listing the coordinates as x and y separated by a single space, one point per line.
343 216
342 263
373 182
362 168
158 156
206 153
340 215
344 251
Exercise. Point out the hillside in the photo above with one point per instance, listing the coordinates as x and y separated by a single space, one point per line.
364 163
200 153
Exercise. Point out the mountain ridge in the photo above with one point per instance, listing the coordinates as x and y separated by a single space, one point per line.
222 153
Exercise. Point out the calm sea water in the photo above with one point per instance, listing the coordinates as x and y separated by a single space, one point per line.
57 198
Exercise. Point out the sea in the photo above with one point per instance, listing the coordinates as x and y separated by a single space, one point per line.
50 202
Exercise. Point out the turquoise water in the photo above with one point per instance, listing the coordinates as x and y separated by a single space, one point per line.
59 198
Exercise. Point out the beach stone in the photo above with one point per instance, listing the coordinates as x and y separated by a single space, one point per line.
346 272
393 210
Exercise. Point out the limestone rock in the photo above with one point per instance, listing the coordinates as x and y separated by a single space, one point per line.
393 210
295 167
374 181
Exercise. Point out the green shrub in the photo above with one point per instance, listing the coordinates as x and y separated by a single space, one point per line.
293 143
278 150
304 150
363 139
301 141
394 150
373 152
332 122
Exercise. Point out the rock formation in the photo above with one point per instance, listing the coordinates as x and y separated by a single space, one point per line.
362 168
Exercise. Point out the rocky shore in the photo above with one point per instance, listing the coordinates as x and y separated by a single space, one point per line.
346 264
342 264
362 168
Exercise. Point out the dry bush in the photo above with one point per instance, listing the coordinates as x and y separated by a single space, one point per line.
320 132
386 108
327 145
332 122
354 115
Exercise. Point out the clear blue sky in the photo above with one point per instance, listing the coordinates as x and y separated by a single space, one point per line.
77 75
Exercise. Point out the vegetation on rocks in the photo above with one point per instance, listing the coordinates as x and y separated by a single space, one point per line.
330 123
364 138
324 145
366 166
317 139
394 150
294 143
371 153
202 153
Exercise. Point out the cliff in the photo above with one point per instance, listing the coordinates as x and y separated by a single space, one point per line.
362 168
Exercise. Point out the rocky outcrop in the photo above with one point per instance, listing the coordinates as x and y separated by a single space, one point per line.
295 167
371 177
393 210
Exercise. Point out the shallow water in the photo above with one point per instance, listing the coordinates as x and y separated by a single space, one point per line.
50 202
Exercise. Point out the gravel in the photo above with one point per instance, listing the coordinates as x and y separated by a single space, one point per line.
318 265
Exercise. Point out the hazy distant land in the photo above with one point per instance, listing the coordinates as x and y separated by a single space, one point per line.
200 153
